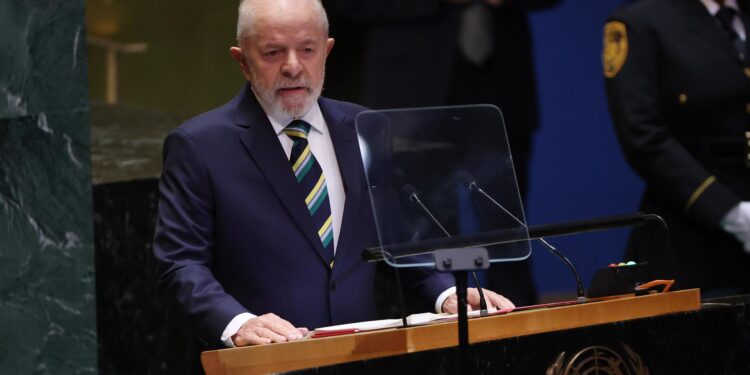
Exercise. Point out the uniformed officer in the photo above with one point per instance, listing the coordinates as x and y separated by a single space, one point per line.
678 83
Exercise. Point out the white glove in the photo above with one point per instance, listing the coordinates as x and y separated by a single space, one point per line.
737 222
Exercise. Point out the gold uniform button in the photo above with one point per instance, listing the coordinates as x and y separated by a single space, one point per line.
682 98
747 135
747 72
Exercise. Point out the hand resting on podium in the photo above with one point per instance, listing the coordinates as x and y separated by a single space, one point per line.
267 329
450 305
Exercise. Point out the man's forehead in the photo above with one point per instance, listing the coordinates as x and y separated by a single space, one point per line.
283 35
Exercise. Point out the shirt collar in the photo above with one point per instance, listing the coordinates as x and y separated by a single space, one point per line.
713 6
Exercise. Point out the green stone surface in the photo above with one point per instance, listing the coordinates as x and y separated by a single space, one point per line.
47 306
43 58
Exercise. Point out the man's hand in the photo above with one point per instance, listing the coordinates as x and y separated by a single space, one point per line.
450 305
266 329
737 222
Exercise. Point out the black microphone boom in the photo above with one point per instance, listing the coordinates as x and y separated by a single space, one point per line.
592 225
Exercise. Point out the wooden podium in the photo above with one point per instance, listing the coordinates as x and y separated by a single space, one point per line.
374 344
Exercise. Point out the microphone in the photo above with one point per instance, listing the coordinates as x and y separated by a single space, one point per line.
410 191
471 183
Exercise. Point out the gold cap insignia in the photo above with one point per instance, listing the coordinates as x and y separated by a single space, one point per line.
615 48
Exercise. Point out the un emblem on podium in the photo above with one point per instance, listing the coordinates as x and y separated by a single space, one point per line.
599 360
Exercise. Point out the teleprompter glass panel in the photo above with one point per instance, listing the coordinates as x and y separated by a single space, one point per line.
441 178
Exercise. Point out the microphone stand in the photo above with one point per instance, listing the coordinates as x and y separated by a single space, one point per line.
414 197
458 262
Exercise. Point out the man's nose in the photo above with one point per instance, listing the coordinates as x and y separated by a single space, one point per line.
292 66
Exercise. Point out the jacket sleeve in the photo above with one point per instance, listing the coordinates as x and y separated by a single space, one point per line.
183 243
637 104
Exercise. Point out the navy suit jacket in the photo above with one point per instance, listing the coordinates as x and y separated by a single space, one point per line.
234 234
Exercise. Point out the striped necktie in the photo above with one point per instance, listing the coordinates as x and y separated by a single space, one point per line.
310 177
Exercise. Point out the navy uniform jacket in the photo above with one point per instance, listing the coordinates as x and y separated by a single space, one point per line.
234 234
679 96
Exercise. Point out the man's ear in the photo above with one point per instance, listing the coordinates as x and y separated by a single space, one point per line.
238 56
329 45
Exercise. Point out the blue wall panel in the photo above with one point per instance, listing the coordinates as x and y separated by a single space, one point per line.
578 171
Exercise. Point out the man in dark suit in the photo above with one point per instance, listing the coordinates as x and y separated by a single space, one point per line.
455 52
678 82
263 209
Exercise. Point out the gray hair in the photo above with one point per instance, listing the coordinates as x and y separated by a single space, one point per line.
247 11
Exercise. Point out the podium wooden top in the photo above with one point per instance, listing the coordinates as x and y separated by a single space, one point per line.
373 344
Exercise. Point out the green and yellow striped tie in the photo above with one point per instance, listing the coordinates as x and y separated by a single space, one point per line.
313 183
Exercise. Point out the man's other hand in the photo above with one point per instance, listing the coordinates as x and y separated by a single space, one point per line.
737 222
450 305
266 329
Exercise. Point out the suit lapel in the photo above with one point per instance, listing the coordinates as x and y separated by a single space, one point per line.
344 139
705 27
264 148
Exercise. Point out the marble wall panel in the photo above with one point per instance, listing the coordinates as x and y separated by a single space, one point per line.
47 318
43 57
133 319
47 299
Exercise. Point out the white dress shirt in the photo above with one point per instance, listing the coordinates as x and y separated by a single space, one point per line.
737 25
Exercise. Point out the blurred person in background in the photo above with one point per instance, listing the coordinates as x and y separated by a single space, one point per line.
455 52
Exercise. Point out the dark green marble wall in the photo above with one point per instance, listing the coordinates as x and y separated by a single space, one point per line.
47 317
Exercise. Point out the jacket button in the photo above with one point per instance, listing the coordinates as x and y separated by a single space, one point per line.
682 98
747 72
